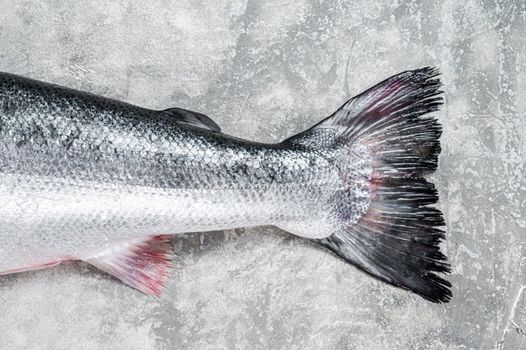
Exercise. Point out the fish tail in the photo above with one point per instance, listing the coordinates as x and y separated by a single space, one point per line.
387 142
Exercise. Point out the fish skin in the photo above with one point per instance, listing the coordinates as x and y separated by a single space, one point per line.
83 177
79 171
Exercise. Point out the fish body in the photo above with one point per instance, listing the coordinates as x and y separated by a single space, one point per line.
83 177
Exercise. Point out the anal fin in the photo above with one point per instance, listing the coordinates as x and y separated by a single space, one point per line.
31 267
143 264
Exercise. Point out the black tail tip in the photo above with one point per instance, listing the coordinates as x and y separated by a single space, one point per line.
436 289
423 282
433 287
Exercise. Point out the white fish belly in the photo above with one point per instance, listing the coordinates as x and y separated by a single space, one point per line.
45 218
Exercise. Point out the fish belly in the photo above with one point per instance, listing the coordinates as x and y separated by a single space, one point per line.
47 219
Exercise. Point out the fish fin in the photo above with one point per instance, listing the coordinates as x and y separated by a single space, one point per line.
33 267
187 117
143 264
383 222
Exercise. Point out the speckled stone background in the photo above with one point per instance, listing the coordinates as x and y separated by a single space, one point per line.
265 70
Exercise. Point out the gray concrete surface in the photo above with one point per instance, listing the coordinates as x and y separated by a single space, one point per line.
265 70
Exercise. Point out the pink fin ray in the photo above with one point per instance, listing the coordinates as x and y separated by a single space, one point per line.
143 264
34 267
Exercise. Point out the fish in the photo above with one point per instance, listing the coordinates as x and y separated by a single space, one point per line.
94 179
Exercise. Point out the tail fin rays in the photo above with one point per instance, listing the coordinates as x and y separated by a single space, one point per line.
397 238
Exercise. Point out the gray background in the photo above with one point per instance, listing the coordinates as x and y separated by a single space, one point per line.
265 70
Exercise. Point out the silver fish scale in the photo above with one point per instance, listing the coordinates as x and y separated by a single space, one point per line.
78 172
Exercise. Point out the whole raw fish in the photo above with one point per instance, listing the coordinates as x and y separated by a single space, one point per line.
84 177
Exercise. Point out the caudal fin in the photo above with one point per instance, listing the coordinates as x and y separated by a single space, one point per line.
392 233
